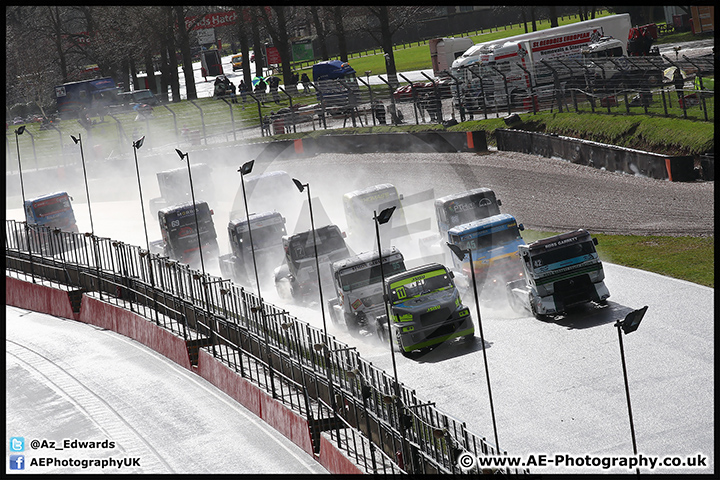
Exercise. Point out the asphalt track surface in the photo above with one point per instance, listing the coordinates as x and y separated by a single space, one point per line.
558 385
542 193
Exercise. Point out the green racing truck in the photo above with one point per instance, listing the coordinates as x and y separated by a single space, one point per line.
425 309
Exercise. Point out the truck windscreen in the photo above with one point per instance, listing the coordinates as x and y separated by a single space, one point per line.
352 279
560 256
494 239
302 244
465 210
264 236
51 206
421 284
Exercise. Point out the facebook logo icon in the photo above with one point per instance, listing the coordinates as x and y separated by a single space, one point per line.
17 462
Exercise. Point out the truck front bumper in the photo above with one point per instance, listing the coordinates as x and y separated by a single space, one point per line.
434 335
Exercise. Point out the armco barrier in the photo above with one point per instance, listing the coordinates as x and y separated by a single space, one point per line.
53 301
598 155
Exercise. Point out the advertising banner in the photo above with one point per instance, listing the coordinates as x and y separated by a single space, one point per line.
302 50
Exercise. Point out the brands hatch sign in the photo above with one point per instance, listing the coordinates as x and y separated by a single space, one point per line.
219 19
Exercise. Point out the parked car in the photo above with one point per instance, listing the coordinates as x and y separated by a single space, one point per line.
444 89
237 61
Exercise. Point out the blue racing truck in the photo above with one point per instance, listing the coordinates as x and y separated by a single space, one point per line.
53 211
493 242
457 209
90 96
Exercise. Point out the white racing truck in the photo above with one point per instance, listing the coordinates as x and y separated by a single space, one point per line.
425 309
560 271
358 284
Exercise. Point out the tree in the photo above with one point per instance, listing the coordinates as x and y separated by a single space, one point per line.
320 31
184 44
277 28
387 21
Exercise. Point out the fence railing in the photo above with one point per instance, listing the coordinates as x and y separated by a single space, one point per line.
629 85
319 377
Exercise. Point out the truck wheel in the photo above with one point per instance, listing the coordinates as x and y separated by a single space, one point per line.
380 325
352 324
333 314
539 316
397 345
284 289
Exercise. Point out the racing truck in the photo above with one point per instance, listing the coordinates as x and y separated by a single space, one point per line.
493 242
267 230
297 277
425 309
359 288
457 209
560 271
53 211
175 186
359 206
179 233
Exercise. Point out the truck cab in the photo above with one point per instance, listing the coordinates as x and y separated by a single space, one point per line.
359 288
425 309
179 232
359 206
175 186
457 209
494 243
560 271
297 277
87 95
53 211
267 230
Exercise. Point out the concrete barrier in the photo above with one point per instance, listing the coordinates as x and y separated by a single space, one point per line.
38 298
294 427
598 155
53 301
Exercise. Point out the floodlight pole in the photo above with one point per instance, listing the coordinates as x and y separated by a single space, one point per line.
331 389
460 253
136 145
245 169
19 131
629 325
385 215
77 141
383 218
627 390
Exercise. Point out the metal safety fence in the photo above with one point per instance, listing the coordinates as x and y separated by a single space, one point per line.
382 426
623 85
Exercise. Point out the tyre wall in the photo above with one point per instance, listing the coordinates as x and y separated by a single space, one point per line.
598 155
